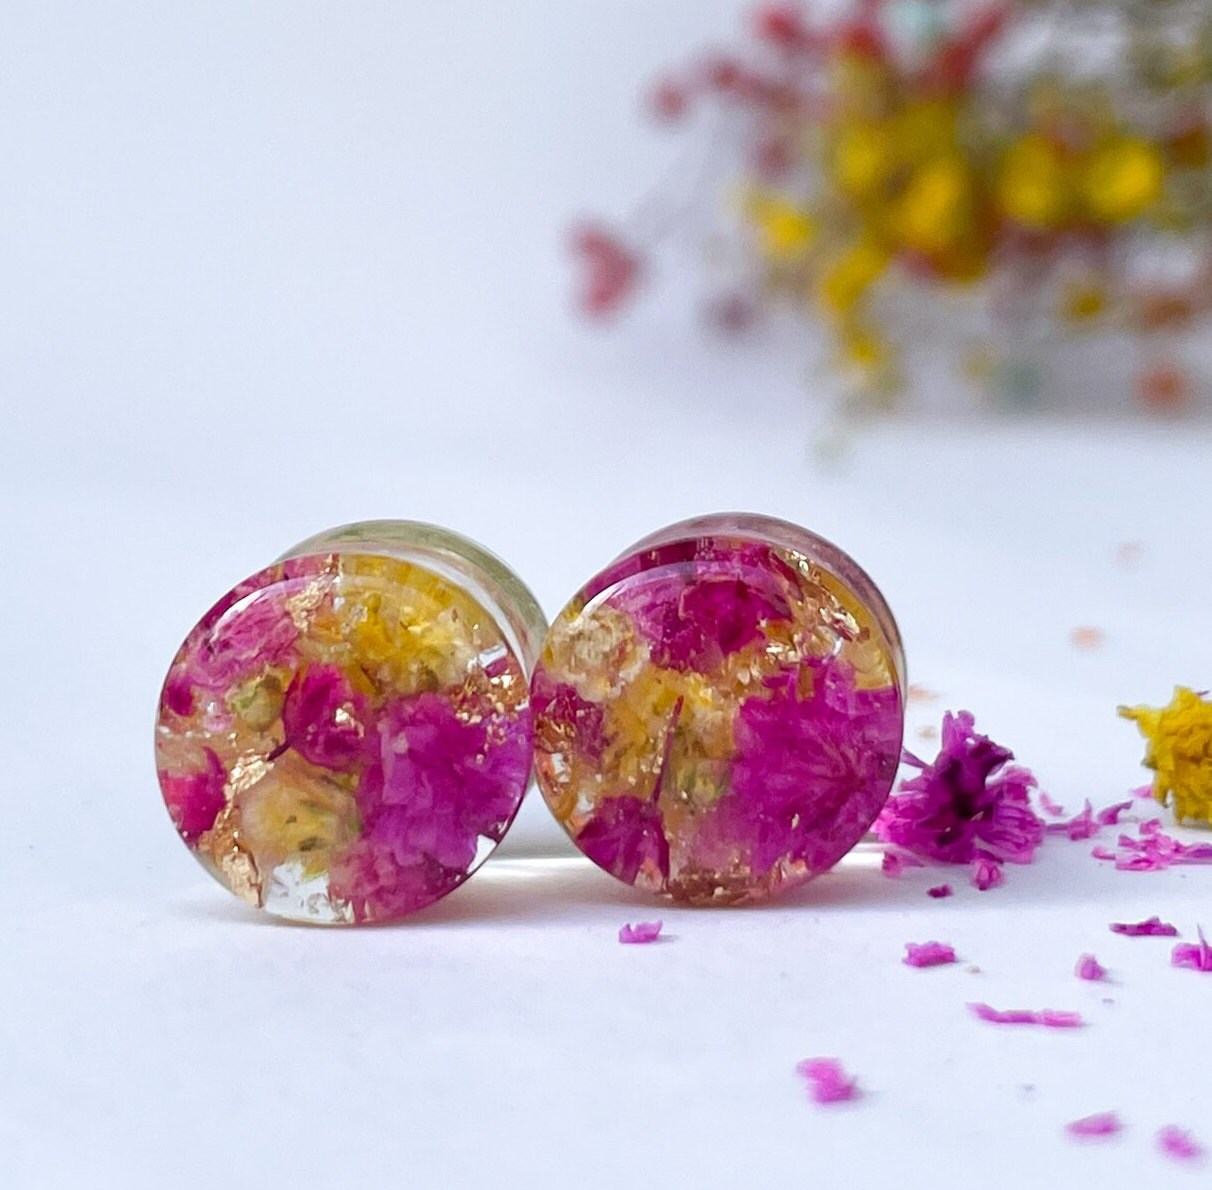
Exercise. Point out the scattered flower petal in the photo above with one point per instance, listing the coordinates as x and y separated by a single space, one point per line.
920 693
939 891
1195 955
1049 1017
1081 826
642 931
986 873
1088 967
1051 807
827 1081
928 954
1109 815
1103 1123
1151 927
1176 1142
895 862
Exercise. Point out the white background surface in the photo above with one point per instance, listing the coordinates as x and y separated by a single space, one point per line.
267 268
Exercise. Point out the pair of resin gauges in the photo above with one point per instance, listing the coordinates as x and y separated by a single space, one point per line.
715 717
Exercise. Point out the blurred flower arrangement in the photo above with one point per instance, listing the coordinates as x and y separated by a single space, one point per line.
1033 169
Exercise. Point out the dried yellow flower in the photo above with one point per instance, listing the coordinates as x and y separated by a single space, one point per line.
1180 752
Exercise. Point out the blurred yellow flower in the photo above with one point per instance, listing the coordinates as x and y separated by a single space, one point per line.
1180 752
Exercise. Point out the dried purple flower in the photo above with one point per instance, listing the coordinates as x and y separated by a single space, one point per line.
966 801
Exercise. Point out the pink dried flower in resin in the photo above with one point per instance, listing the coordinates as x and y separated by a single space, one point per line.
827 1081
968 801
1101 1124
1151 927
939 891
322 718
1179 1144
346 735
194 798
1195 955
928 954
1050 1018
1089 968
642 931
719 713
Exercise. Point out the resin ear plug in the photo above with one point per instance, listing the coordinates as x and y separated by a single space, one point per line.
719 712
346 735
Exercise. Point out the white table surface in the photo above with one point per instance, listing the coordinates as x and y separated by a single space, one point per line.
269 268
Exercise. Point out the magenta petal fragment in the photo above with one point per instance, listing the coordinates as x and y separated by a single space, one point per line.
895 862
1103 1123
1195 955
1050 1018
986 873
642 931
1081 826
1176 1142
827 1081
928 954
1110 815
939 891
1088 967
1050 807
1151 927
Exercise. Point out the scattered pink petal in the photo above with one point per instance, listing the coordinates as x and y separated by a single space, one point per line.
1103 1123
1176 1142
939 891
827 1081
928 954
1152 850
1088 967
1051 807
642 931
1109 815
895 862
1143 792
1049 1017
986 873
1082 826
1151 927
1195 955
1102 853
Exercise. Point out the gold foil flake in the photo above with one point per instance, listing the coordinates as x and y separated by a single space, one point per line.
245 773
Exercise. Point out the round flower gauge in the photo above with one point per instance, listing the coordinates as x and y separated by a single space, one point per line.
346 735
719 712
